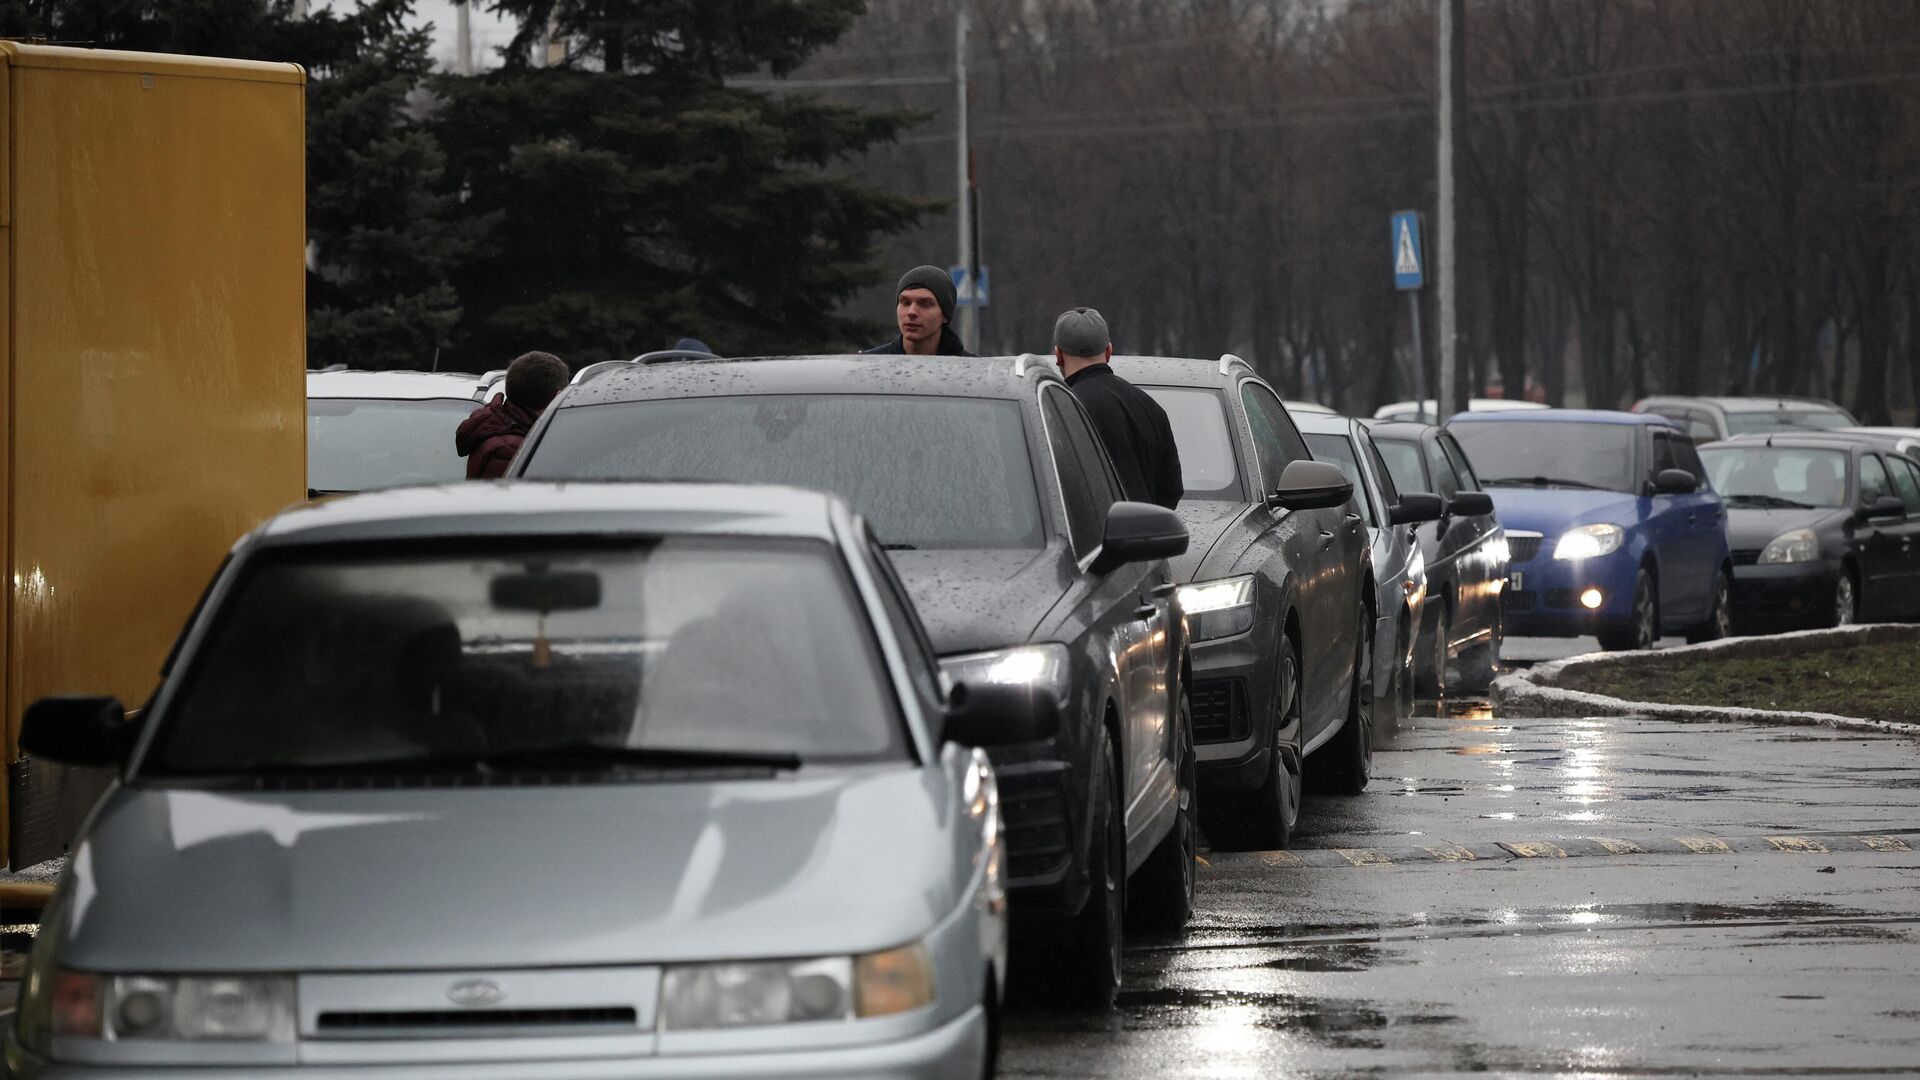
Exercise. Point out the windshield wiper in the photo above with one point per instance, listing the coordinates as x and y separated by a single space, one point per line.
1542 481
1770 502
600 755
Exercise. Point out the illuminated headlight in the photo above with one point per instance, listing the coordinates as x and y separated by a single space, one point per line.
1027 665
1800 545
1590 542
704 997
197 1008
1217 609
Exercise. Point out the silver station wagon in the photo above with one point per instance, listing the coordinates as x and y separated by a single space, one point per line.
534 780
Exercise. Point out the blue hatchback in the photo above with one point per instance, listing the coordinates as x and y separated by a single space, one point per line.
1612 527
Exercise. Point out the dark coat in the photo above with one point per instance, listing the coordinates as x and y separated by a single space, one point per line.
1135 429
949 345
490 437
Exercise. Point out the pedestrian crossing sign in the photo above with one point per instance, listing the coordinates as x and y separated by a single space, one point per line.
1409 272
969 290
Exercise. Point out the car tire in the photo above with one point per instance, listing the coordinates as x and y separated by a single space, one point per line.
1432 664
1160 893
1348 757
1843 608
1481 663
1092 971
1263 819
1643 624
1719 621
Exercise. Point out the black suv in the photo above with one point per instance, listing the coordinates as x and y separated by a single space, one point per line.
1277 585
989 487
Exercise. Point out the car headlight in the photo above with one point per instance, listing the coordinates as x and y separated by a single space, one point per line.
1027 665
1800 545
1217 609
705 997
210 1008
1590 542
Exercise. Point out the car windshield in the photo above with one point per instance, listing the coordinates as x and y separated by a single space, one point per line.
1403 464
484 660
928 472
1747 423
1777 478
1547 453
1199 420
357 444
1337 450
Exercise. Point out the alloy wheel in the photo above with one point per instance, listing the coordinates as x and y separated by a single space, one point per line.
1846 602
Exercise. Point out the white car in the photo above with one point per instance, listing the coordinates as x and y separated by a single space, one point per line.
1423 413
375 429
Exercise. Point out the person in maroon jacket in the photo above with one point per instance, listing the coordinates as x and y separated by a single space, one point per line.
492 435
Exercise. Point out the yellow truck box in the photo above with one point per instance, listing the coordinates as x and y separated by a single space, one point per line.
152 358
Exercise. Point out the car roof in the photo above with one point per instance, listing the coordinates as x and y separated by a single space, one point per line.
1563 416
1805 440
935 376
1749 404
1175 370
1398 429
398 385
1311 423
526 508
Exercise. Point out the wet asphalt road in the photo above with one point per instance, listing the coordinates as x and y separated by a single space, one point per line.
1624 898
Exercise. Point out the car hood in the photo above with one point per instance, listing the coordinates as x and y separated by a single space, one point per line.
975 599
1207 520
171 880
1551 511
1755 528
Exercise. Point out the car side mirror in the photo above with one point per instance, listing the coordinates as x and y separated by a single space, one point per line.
1416 507
1000 714
91 732
1675 482
1886 506
1140 532
1311 485
1470 504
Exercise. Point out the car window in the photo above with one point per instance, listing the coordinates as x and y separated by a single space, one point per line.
1084 522
358 444
1404 465
441 655
1700 427
1663 454
1389 490
923 664
1907 479
1208 469
1776 477
956 470
1103 483
1747 423
1689 458
1873 480
1445 483
1337 450
1275 440
1524 453
1458 459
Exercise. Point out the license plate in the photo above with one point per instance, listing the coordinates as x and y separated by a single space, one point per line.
1517 580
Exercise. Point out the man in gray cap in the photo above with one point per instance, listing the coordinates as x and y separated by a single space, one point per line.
1132 425
923 309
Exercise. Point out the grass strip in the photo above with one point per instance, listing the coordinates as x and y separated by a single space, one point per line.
1877 681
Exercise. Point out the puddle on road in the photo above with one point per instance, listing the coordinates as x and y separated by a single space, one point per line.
1222 1015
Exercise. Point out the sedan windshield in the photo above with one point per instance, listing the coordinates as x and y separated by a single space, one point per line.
1545 453
1746 423
358 444
679 650
1199 420
927 472
1778 478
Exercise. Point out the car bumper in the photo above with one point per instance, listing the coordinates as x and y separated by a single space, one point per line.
1784 594
948 1052
1232 689
1547 603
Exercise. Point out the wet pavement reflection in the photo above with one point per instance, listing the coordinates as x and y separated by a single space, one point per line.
1571 897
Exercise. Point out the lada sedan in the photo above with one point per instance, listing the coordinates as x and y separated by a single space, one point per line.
486 781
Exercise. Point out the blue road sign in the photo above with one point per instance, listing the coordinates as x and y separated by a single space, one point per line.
1409 267
966 293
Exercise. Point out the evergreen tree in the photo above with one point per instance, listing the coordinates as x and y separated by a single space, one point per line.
638 198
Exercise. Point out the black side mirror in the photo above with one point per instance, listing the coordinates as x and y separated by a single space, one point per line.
1470 504
1140 532
75 730
1000 714
1415 507
1311 485
1886 506
1675 482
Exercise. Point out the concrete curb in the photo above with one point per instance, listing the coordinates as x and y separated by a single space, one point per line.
1534 693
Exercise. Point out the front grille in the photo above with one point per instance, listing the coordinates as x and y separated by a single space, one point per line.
1038 842
1518 602
1562 598
1522 548
412 1022
1746 556
1219 710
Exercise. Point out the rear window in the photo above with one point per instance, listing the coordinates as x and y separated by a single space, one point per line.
358 444
1199 419
928 472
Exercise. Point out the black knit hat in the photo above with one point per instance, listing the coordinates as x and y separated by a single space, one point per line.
934 280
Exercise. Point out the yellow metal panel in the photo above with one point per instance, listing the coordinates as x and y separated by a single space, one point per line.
10 726
158 391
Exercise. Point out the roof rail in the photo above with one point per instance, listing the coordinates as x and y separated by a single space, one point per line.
594 371
1228 360
666 356
1020 364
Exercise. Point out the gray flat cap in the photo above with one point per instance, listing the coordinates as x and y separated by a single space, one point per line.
1081 332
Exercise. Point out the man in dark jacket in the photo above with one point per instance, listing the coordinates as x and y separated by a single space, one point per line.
923 309
1132 425
490 437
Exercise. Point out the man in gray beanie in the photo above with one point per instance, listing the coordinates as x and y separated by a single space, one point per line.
923 309
1133 426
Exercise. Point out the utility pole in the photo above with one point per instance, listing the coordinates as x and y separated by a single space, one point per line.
463 21
1452 53
967 319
